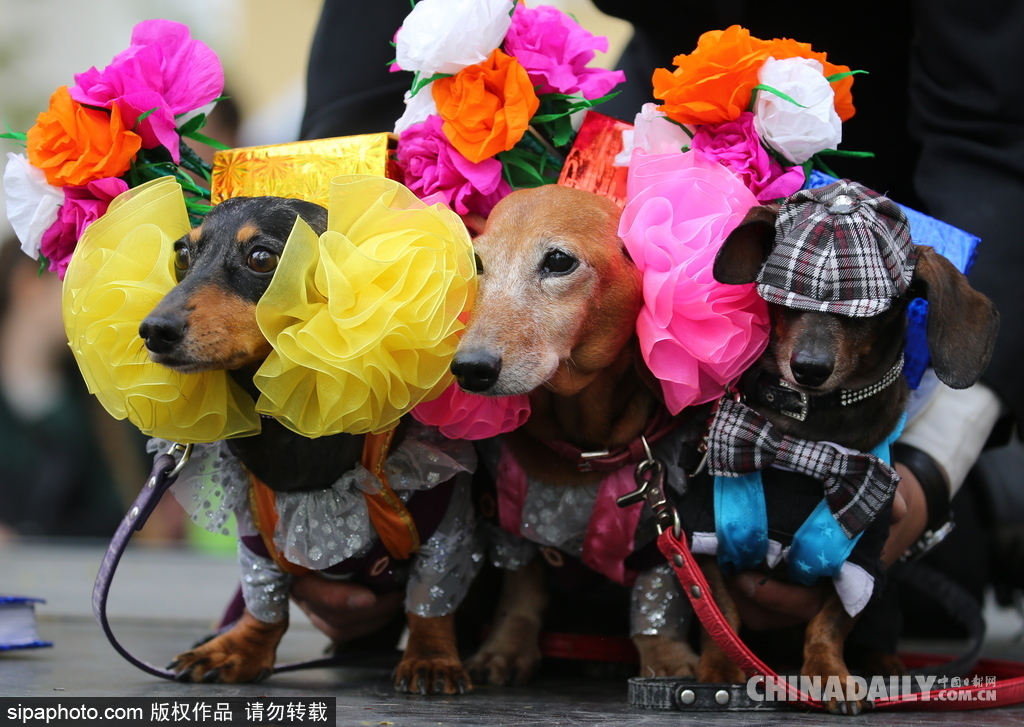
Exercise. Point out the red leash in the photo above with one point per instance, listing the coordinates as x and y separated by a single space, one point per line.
1009 683
1007 690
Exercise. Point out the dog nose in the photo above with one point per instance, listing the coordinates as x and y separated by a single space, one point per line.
476 371
161 334
811 369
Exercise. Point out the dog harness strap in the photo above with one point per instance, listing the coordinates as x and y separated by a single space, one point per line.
388 514
263 503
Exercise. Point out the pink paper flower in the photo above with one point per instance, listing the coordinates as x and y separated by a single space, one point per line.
460 415
432 166
696 334
163 68
82 206
736 145
555 51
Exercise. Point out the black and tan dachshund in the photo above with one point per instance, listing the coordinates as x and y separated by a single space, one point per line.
208 322
812 358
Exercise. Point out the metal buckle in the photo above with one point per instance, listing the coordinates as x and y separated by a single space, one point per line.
585 464
802 413
928 540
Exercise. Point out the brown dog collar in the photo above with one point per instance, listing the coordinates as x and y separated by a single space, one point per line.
610 460
779 395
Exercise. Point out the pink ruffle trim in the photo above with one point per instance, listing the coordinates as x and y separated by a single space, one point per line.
696 334
460 415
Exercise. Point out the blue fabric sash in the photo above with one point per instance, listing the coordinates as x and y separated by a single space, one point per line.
819 547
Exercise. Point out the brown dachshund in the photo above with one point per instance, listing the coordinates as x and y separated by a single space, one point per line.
555 319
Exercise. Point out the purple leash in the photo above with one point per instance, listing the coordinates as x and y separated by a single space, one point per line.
164 473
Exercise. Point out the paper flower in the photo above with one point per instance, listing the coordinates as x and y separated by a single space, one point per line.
736 145
364 321
555 50
652 133
486 107
713 84
165 69
696 334
32 203
461 415
432 166
82 206
798 132
120 271
418 108
781 48
73 144
445 36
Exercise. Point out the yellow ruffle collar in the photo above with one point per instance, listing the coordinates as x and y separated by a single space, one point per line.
363 320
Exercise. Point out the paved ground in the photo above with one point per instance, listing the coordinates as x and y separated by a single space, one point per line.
158 607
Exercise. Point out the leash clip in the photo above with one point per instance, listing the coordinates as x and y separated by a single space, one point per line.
186 454
650 488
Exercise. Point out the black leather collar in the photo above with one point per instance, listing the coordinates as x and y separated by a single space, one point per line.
779 395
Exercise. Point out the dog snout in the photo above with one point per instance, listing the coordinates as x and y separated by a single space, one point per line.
811 368
162 333
476 370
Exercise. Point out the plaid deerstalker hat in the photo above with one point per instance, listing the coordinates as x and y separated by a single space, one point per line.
839 249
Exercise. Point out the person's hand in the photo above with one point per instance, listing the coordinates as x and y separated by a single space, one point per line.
344 611
767 603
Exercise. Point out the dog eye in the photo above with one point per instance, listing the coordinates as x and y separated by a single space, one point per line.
182 258
479 264
558 262
263 261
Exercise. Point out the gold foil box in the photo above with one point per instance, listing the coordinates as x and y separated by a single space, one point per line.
298 170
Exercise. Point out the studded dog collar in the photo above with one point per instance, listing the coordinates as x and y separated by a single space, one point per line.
781 396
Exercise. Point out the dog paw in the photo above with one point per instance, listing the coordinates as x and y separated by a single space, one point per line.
504 666
835 679
432 676
213 664
662 656
244 653
880 663
850 708
716 668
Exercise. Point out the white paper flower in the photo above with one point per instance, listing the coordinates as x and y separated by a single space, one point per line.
417 108
652 133
445 36
797 133
32 204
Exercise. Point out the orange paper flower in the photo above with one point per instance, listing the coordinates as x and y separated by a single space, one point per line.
713 84
74 145
486 107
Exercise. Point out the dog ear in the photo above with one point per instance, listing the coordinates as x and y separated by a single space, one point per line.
313 214
746 248
962 323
